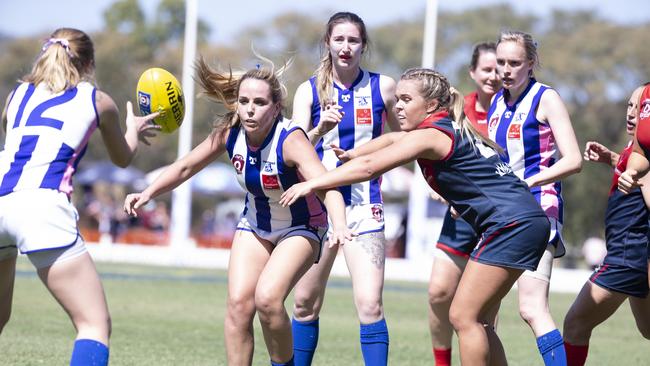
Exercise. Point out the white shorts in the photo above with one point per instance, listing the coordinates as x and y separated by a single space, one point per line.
314 233
363 219
38 219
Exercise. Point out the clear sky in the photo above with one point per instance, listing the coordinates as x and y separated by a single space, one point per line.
226 18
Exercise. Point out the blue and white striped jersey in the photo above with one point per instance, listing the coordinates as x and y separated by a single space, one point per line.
263 173
364 114
47 135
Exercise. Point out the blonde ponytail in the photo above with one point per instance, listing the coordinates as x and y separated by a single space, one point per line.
67 58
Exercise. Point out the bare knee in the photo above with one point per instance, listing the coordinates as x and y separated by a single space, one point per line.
240 308
268 305
575 329
440 294
531 311
458 318
306 305
370 309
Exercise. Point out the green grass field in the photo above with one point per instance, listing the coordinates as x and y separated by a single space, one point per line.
164 316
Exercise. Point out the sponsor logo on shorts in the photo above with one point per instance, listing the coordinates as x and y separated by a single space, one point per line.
270 181
238 163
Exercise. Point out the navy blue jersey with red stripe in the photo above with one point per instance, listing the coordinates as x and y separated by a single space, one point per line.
626 222
475 181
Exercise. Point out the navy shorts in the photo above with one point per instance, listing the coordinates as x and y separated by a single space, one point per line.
626 280
457 236
519 244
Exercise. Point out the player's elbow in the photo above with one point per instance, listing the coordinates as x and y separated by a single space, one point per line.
575 164
368 170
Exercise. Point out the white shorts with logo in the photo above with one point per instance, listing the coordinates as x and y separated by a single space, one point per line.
363 219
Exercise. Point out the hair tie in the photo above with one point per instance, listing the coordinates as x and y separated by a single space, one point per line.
62 41
257 66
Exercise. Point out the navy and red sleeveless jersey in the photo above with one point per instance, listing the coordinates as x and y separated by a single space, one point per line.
475 181
626 221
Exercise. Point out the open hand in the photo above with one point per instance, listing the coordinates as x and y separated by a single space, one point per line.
134 201
294 192
144 126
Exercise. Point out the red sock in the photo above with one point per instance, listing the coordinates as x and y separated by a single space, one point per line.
576 355
442 356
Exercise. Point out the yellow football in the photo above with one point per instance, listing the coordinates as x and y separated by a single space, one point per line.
159 91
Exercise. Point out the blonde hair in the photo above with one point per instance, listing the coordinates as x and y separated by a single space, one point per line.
526 41
434 86
67 58
223 87
324 75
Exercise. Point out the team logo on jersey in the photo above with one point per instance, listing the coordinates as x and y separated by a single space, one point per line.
520 117
345 98
507 114
238 162
377 213
364 116
493 122
503 169
361 100
645 109
268 166
252 160
270 181
144 101
514 131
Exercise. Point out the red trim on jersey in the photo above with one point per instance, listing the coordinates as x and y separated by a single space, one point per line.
478 118
451 250
430 121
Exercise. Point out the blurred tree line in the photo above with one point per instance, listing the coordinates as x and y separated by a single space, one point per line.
592 62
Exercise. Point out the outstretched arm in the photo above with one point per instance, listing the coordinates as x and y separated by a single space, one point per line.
299 152
430 144
122 147
599 153
179 171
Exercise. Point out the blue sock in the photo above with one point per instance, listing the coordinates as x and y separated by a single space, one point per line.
305 340
551 347
290 363
88 352
374 343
